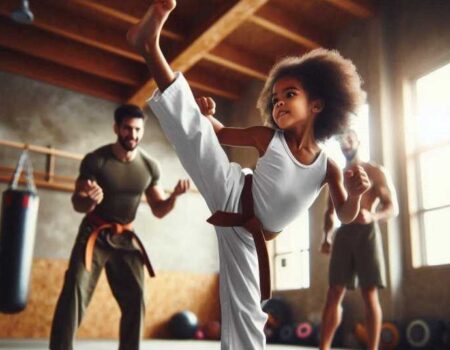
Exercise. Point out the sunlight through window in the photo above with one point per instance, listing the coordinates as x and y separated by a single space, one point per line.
431 158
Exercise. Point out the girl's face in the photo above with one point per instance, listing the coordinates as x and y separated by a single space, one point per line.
291 104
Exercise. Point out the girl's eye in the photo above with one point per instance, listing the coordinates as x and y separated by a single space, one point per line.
274 101
290 94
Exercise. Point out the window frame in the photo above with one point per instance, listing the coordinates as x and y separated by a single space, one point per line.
413 152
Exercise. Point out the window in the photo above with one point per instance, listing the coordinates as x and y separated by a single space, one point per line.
428 136
291 258
292 247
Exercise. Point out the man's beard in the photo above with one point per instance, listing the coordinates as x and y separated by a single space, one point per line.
350 155
126 146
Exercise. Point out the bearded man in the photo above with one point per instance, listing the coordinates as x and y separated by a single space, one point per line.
108 190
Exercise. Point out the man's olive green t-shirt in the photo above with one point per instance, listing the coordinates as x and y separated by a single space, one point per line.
123 183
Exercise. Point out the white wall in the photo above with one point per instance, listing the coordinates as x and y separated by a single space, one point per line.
41 114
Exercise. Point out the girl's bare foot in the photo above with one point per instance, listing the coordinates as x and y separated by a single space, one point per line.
146 32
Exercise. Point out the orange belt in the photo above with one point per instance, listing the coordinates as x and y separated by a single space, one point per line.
116 228
251 223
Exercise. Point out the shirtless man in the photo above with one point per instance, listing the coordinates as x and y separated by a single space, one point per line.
356 249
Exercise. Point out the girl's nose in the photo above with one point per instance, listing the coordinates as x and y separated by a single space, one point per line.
279 103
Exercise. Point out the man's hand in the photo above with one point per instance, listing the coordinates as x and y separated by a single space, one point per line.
90 189
356 181
364 217
325 247
181 187
326 244
207 105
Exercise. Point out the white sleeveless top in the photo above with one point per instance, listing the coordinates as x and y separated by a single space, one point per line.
282 186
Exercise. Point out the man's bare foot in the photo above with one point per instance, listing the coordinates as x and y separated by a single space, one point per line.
146 32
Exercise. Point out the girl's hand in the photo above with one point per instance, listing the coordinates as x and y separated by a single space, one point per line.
207 105
356 181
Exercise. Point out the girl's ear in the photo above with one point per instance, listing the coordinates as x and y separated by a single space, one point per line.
318 105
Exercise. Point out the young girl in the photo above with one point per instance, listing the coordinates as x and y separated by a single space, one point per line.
306 100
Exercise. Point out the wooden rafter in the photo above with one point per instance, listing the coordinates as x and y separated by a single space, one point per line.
108 11
90 54
227 56
39 69
210 89
209 84
52 48
58 21
354 7
212 36
276 21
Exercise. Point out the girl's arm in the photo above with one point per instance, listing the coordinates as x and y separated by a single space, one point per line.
257 136
346 192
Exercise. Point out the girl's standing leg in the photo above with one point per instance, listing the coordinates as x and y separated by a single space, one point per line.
243 319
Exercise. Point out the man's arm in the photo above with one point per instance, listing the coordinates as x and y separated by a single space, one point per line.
388 206
346 195
160 205
328 226
86 196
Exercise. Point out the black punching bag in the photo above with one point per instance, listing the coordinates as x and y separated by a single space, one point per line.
17 232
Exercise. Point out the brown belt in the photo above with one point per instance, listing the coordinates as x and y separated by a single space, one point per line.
251 223
116 228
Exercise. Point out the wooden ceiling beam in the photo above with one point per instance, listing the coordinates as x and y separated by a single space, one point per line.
244 63
39 69
38 43
355 8
213 85
276 21
211 89
119 15
204 43
57 21
60 22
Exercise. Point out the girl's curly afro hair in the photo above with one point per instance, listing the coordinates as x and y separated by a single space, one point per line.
326 75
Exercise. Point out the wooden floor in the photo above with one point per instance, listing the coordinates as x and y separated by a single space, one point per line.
146 345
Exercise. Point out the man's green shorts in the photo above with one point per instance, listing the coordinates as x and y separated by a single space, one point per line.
357 254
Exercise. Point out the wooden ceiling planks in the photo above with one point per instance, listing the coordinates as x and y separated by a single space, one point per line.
211 41
210 38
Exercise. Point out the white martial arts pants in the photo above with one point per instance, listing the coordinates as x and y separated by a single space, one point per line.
220 182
